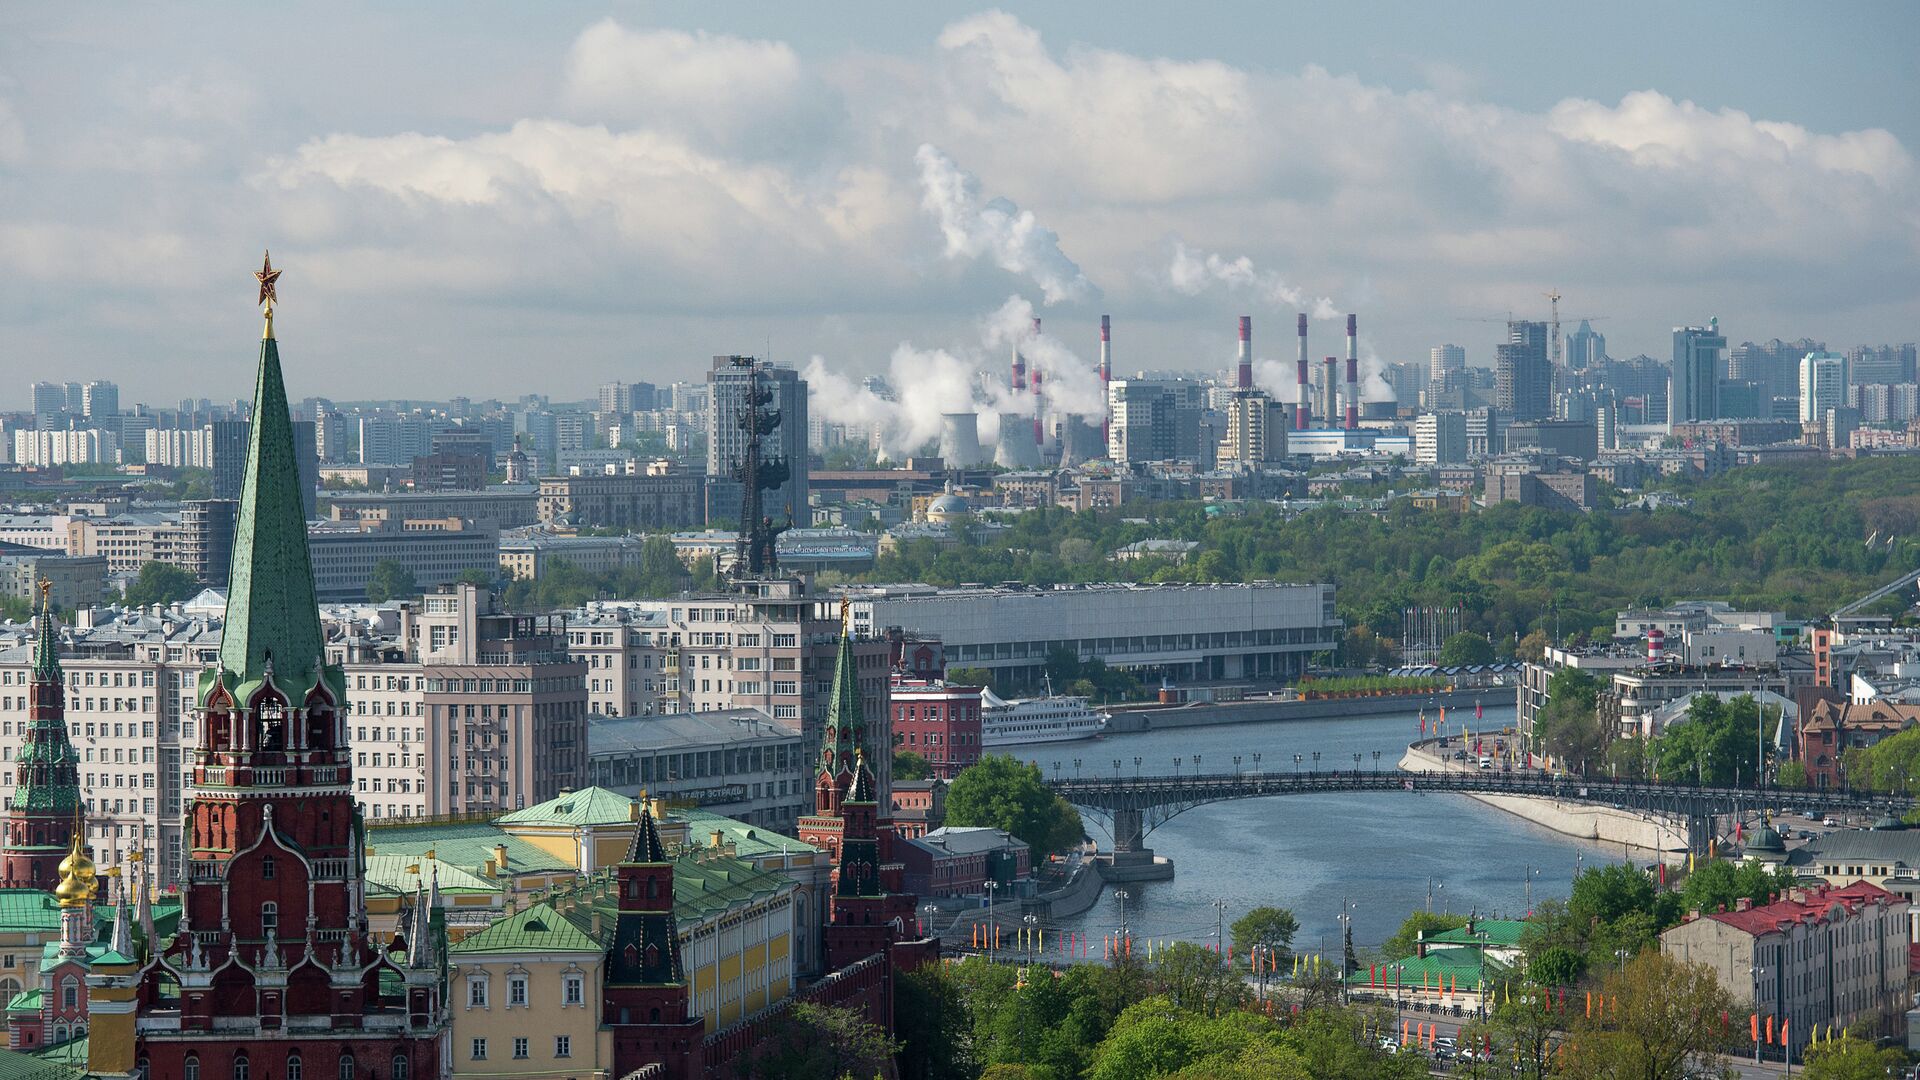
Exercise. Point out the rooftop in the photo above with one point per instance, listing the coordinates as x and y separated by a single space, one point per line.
588 806
646 734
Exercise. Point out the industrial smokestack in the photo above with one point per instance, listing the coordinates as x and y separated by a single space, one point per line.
1039 407
1106 376
1019 370
1244 381
1300 405
1353 372
1329 378
1303 404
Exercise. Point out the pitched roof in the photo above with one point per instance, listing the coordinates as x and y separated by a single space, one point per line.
747 840
539 929
271 604
465 844
1486 932
1806 906
588 806
1468 966
18 1066
392 872
646 846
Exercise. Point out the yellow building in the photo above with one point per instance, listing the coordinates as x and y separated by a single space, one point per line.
525 991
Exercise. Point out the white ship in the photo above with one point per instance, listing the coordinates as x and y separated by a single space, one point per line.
1053 718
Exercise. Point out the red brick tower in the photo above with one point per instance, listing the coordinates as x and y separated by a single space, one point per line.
645 993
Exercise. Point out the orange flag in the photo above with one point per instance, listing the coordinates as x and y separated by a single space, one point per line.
1783 1033
1589 1004
1769 1029
1753 1022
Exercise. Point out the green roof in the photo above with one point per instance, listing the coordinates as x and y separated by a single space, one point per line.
465 844
588 806
272 611
539 929
73 1052
747 840
1494 933
704 884
25 1001
1468 966
390 872
18 1066
35 911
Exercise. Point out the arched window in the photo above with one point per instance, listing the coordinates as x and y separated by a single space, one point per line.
398 1070
60 1032
269 920
191 1071
240 1067
70 992
294 1068
346 1067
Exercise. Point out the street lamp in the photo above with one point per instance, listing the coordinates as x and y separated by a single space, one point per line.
1136 767
1316 761
1376 761
1296 762
1532 871
1219 927
992 887
1356 762
928 911
1176 768
1759 976
1236 766
1033 923
1116 770
1123 896
1076 768
1256 762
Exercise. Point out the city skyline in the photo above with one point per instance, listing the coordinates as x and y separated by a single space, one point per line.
606 197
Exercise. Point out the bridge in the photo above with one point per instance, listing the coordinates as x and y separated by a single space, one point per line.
1139 804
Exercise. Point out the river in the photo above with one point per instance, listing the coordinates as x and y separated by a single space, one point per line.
1308 853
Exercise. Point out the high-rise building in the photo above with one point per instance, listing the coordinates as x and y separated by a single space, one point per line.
227 456
728 383
1887 364
1154 420
1523 387
1823 385
49 405
1586 348
1440 438
1695 389
1443 359
1256 431
100 400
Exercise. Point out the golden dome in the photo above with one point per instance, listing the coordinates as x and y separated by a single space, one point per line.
77 876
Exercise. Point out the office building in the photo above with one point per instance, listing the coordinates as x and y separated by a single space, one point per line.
100 400
1154 420
1823 385
49 406
738 763
1695 382
1585 348
1523 376
227 456
1882 364
727 383
505 506
638 501
433 552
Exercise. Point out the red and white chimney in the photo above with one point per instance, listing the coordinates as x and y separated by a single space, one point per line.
1656 645
1106 376
1353 372
1039 425
1244 380
1303 405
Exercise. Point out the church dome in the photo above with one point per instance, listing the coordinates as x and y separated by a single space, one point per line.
948 507
77 876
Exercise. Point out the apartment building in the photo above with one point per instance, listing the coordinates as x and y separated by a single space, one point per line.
663 500
625 650
434 552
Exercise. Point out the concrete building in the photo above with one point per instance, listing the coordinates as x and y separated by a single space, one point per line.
434 552
1440 438
528 554
1576 439
727 383
1256 431
1444 359
1531 485
1694 393
505 506
1260 630
738 763
1153 420
626 652
1812 958
76 446
624 500
72 580
1585 348
1823 385
1523 375
960 861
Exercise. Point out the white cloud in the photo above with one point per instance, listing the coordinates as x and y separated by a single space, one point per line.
1011 237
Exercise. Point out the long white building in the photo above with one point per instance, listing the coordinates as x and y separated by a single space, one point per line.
1262 630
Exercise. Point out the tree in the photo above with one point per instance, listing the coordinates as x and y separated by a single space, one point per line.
1556 966
932 1021
1791 774
1719 885
1849 1058
159 583
908 765
970 676
1269 926
825 1042
390 581
1666 1019
1429 922
1523 1030
474 575
1464 648
1195 978
1001 793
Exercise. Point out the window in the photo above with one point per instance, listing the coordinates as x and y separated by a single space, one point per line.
269 920
575 990
520 1048
240 1067
191 1070
516 991
346 1067
562 1046
399 1069
293 1067
266 868
479 1049
477 993
70 992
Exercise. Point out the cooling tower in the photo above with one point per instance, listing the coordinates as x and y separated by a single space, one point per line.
960 440
1015 448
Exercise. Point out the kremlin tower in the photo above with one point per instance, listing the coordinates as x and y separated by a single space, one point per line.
645 995
38 827
273 972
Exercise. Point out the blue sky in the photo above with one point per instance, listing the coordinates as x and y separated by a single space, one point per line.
495 199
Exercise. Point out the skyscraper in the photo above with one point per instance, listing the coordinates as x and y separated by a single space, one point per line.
49 403
1523 377
227 445
1695 393
728 385
1823 385
1445 358
1585 348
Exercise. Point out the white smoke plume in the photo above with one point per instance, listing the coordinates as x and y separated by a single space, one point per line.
1194 272
931 383
1013 238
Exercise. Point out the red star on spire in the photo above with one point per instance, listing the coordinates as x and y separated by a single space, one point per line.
267 275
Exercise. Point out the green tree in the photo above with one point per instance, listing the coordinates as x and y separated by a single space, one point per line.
1605 893
474 575
933 1025
1665 1020
159 583
1556 966
390 581
1791 774
1002 793
908 765
1401 944
1198 979
824 1042
1849 1058
1466 647
1272 927
1720 885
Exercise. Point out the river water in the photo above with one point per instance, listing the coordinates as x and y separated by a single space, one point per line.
1379 852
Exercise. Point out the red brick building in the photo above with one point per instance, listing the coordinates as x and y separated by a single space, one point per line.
1834 727
938 720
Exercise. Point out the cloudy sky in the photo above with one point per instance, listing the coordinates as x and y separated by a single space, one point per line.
492 198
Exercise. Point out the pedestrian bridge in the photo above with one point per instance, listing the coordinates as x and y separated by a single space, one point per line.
1137 805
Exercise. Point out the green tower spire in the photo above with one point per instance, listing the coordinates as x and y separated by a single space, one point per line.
845 730
272 613
46 642
46 775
